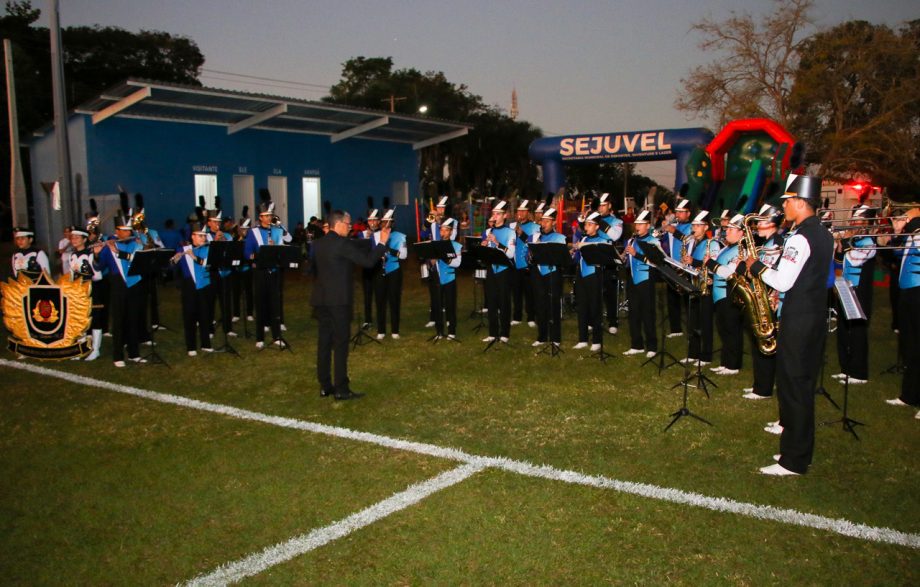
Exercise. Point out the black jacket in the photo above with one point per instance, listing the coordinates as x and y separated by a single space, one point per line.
333 266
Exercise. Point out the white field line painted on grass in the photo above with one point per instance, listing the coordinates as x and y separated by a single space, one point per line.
719 504
285 551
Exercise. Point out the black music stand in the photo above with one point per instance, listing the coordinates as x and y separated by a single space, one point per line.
672 279
821 390
143 264
852 310
490 256
279 257
700 378
362 336
471 243
225 255
441 250
558 256
600 255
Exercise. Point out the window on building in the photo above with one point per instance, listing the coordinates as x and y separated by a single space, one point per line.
206 185
312 199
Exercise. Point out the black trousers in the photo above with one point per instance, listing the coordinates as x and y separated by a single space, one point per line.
612 295
853 338
448 294
547 295
142 290
730 324
196 314
522 294
642 315
367 288
388 292
675 301
498 300
764 368
433 286
242 286
800 347
100 297
333 338
699 319
909 325
125 304
588 305
153 297
267 285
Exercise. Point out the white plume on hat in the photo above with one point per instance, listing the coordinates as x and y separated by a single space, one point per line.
499 206
549 213
683 205
374 213
593 217
642 218
388 215
442 203
449 222
604 197
540 207
523 205
701 218
737 221
724 213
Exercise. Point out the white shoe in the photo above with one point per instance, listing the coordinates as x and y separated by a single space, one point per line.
777 470
235 319
633 352
687 361
613 330
675 334
896 402
515 322
207 349
278 343
918 415
595 347
532 324
264 329
854 381
489 339
92 356
580 345
651 354
838 375
429 324
777 457
704 363
718 369
119 363
773 428
503 339
451 337
150 342
747 390
727 372
381 336
753 395
97 345
260 345
395 336
193 353
250 319
137 360
232 334
538 343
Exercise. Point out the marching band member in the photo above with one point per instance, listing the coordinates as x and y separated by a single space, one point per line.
64 249
367 274
908 225
588 288
857 256
676 234
771 246
521 287
641 289
547 283
242 285
729 318
149 239
498 286
126 299
447 281
699 315
612 227
197 300
433 286
28 259
266 281
220 287
388 282
83 262
802 275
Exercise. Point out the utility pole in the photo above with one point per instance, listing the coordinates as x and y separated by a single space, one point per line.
18 205
393 99
60 119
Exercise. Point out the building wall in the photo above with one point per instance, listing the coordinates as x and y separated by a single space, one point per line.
160 159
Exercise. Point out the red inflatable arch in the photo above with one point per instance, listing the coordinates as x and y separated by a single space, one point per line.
730 133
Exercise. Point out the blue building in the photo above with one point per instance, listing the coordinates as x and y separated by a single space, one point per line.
173 143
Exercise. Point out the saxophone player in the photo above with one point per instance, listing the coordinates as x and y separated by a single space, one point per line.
802 274
729 318
498 281
641 289
771 245
676 234
699 316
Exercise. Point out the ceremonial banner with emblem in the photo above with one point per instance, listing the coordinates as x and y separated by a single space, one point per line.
47 320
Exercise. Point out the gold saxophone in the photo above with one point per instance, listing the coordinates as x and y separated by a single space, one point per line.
751 294
705 281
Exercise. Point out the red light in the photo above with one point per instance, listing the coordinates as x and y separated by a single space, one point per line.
857 186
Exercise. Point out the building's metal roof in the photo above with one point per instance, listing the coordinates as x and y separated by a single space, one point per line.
239 111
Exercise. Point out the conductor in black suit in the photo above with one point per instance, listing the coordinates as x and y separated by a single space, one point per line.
335 256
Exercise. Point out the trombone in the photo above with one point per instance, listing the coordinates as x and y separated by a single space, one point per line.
877 247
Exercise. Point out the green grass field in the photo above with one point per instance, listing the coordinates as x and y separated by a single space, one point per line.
98 487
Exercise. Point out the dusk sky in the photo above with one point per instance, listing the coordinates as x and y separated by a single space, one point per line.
580 66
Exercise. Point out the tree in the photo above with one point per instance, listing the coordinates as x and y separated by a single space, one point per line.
753 75
856 102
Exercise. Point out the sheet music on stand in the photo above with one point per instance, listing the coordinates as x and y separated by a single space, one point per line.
852 309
